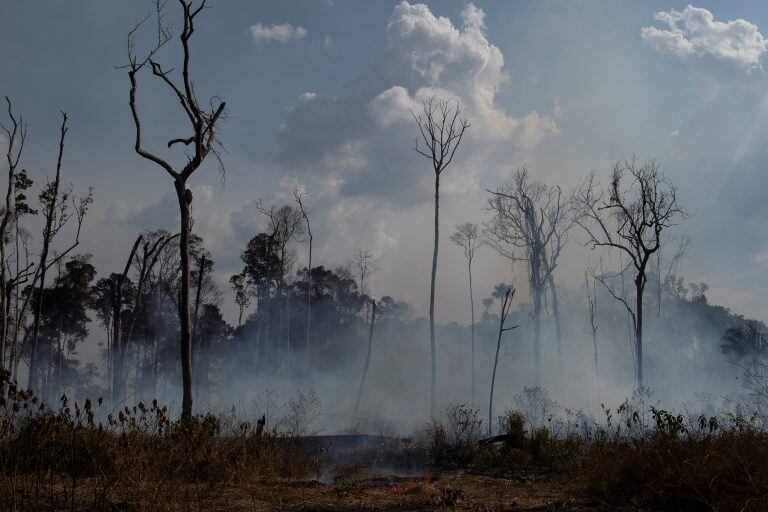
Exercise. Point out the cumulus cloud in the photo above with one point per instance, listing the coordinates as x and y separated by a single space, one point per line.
328 42
280 33
694 32
359 140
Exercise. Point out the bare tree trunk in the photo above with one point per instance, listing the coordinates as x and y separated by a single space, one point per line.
17 132
117 328
592 307
117 349
309 307
536 292
597 373
505 306
6 302
558 326
297 194
472 328
493 378
17 310
432 348
185 200
639 289
367 358
196 318
60 360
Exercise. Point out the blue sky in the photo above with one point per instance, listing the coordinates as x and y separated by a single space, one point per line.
317 96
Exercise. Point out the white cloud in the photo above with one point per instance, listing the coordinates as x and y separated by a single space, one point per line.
281 33
359 140
328 42
694 32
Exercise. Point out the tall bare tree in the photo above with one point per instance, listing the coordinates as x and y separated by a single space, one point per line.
16 134
629 216
58 211
298 195
530 224
203 123
467 236
441 128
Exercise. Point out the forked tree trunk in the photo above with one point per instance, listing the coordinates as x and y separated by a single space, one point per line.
505 306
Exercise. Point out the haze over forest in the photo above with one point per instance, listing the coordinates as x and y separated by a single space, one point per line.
305 142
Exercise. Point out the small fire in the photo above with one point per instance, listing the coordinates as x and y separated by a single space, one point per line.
413 485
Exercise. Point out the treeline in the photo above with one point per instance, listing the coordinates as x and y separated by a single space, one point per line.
161 313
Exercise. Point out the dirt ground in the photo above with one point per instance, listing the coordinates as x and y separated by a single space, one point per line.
384 493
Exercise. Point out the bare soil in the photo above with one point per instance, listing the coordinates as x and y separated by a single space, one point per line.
383 493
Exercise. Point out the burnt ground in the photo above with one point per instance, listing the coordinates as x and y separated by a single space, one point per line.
359 473
365 472
387 493
427 493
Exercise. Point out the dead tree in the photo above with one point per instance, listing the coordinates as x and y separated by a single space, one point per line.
299 197
468 238
557 220
58 212
367 358
506 306
630 218
119 346
530 224
17 135
441 128
202 124
592 310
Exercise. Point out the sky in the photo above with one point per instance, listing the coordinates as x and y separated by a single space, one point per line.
318 95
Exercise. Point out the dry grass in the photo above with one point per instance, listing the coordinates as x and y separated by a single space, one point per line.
723 470
140 460
67 459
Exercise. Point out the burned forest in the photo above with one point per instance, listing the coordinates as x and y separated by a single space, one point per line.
342 255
